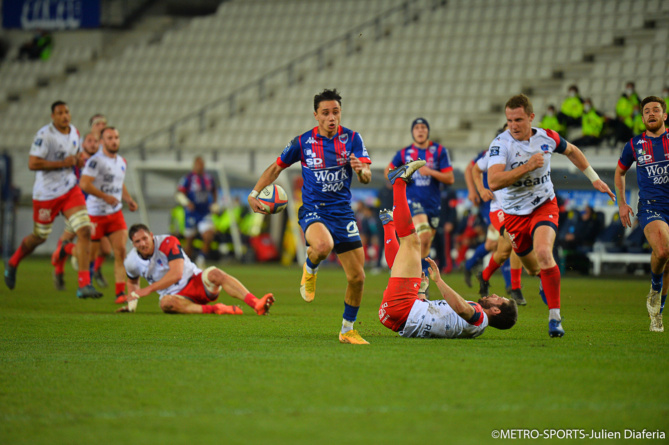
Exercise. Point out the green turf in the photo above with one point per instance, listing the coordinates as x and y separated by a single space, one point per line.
75 372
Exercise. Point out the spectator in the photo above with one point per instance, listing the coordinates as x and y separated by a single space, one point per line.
592 124
369 230
622 126
571 109
39 47
579 237
638 126
550 121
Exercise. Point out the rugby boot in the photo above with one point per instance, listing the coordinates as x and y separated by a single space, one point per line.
88 292
484 286
100 279
222 309
517 295
10 276
58 281
656 324
405 171
59 255
352 338
385 216
653 303
555 328
121 298
263 304
308 285
468 277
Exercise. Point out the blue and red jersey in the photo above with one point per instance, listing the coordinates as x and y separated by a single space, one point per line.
424 189
326 167
199 189
652 158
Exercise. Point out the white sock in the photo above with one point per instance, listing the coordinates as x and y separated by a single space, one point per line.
346 326
554 314
310 270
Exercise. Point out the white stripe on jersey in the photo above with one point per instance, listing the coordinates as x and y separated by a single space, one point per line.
52 145
108 174
437 319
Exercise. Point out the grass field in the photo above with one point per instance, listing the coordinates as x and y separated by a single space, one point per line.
74 372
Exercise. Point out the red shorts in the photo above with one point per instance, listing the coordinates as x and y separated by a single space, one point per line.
44 212
196 292
105 224
497 220
521 227
398 299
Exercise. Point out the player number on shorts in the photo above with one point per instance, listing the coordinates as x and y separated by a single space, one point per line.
352 229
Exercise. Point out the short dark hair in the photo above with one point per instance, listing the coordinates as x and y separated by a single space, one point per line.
95 116
650 99
573 87
136 228
507 316
56 104
520 101
326 95
105 129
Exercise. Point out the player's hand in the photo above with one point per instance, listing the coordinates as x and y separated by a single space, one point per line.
474 198
425 170
136 295
536 161
625 212
191 206
109 199
487 195
256 206
356 165
132 205
602 187
434 270
70 161
81 159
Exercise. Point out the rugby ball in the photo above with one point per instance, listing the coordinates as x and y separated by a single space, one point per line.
273 198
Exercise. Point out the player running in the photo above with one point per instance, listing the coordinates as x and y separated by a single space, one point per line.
183 287
197 194
650 150
103 180
402 310
329 155
423 193
519 164
53 154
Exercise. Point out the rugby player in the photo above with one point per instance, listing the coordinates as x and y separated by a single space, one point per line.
329 154
402 309
650 151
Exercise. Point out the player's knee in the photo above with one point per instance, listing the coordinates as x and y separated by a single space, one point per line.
119 252
215 276
84 232
662 253
168 304
356 278
322 248
545 255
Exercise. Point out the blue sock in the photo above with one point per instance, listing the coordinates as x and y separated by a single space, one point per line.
506 273
656 281
424 265
664 298
350 314
311 267
91 268
479 253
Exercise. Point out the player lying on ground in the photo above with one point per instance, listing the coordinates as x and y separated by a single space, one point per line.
650 150
182 286
402 310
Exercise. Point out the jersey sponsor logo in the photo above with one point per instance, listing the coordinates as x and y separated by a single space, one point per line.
658 173
44 215
352 229
529 182
494 151
311 140
642 159
332 180
518 154
536 200
108 178
545 148
641 141
343 138
312 159
110 189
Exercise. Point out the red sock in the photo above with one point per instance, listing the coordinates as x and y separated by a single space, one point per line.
20 253
207 309
69 248
515 278
84 278
492 267
60 267
391 245
120 288
401 213
98 262
550 281
251 300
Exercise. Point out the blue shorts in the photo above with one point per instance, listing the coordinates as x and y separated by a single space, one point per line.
340 221
198 223
433 214
649 212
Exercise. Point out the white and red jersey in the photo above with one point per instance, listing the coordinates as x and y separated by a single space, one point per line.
437 319
483 165
535 187
166 248
52 145
108 174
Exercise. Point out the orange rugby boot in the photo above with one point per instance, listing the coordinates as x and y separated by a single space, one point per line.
263 304
221 309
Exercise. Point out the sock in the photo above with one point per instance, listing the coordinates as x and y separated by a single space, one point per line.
401 213
664 298
350 315
506 273
251 300
60 268
91 269
424 265
550 280
207 309
515 278
69 248
656 281
479 253
391 244
20 253
311 267
492 267
554 314
84 278
98 262
120 288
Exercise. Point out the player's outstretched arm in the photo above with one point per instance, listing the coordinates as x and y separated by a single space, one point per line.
132 205
171 277
576 156
361 169
455 301
624 208
447 178
473 195
477 177
268 177
499 179
37 163
86 184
